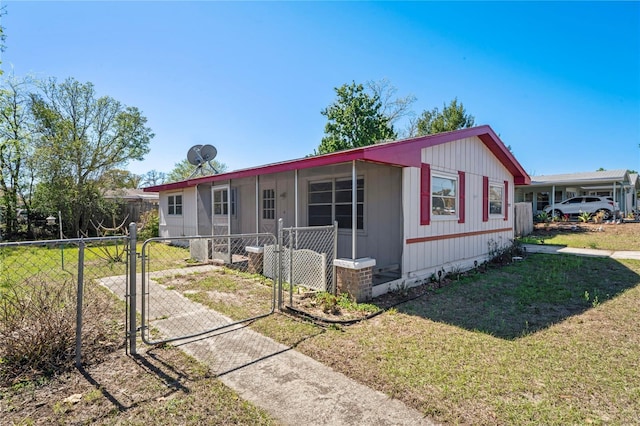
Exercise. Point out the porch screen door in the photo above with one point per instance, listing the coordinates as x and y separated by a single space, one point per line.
220 210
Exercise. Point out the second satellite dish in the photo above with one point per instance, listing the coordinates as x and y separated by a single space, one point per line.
208 152
200 154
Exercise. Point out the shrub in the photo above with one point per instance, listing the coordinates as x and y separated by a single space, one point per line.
150 225
38 328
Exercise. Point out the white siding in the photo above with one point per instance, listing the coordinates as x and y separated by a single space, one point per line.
460 251
179 225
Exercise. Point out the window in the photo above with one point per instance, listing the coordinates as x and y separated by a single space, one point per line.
495 199
220 202
268 204
444 191
542 200
175 205
332 200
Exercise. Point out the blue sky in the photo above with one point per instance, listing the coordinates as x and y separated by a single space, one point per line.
559 82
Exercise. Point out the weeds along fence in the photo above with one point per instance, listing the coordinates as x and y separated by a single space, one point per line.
51 306
55 311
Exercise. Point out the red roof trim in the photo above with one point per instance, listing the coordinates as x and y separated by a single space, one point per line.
403 153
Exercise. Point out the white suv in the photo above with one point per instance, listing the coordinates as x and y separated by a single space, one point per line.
588 203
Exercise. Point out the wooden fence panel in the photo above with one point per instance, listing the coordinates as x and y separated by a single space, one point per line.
523 219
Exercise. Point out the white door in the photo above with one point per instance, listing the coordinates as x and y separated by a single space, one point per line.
220 247
220 210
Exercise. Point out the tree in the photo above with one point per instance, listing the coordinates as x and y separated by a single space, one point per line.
394 108
184 169
355 119
452 117
119 178
80 138
15 149
153 178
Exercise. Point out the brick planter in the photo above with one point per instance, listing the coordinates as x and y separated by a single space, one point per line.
355 277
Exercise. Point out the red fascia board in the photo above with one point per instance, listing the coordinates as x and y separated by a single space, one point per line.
304 163
405 153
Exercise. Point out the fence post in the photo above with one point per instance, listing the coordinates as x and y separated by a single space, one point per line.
291 281
279 263
79 302
334 280
132 288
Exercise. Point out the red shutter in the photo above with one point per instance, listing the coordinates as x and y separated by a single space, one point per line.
506 200
425 194
485 199
461 195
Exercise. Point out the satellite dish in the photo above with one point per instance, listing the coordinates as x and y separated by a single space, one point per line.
208 152
193 156
199 154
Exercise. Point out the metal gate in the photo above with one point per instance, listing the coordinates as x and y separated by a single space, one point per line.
181 302
307 259
189 286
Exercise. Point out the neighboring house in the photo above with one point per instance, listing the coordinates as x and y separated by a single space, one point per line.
133 203
620 185
422 204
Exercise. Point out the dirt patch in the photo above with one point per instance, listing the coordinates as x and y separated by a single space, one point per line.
162 383
626 229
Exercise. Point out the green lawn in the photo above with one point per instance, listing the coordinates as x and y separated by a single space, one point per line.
547 340
551 339
624 236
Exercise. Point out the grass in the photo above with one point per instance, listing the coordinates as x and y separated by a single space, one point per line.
496 349
551 339
60 263
161 386
548 340
604 237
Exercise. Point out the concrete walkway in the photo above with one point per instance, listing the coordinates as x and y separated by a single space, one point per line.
551 249
293 388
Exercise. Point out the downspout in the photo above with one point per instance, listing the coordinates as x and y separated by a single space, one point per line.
354 210
553 199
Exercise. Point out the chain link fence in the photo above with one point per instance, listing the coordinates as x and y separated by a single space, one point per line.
203 284
54 312
307 261
55 295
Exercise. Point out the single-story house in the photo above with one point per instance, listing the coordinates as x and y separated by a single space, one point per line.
422 204
620 185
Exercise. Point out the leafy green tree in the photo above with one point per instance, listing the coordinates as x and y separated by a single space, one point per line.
16 124
452 117
119 178
355 119
80 138
184 169
153 177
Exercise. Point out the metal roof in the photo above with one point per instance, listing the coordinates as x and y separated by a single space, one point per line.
582 178
403 153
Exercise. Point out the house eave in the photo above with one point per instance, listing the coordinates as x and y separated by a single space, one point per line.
402 153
